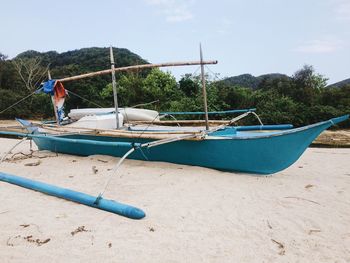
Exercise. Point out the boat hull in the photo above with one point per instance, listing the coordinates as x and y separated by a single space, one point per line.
244 152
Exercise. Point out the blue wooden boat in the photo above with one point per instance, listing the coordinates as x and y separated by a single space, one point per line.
228 149
244 149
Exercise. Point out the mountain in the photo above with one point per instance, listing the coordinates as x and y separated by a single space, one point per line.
340 84
83 60
244 80
250 81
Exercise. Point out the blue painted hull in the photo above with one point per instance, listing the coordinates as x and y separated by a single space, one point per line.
261 153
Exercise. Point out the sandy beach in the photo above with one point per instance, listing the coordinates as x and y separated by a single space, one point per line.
193 214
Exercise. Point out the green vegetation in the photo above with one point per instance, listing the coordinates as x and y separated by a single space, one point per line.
301 99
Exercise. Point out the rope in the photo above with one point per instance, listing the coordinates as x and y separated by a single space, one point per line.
147 145
171 116
148 126
215 74
257 116
144 104
245 115
194 72
3 158
138 105
26 97
84 98
99 197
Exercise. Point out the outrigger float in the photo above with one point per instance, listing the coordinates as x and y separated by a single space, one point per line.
74 196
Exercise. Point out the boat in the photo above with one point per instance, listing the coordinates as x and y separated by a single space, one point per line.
256 149
226 149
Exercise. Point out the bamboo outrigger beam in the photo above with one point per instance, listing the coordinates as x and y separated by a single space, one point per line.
138 67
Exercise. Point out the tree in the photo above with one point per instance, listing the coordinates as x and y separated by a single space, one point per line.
129 89
162 86
274 108
2 57
307 85
134 89
233 97
31 71
189 86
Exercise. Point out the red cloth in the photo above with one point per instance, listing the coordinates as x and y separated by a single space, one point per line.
60 91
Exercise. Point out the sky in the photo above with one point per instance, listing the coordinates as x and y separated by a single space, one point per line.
245 36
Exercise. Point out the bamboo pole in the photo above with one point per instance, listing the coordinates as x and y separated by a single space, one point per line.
138 67
114 85
204 89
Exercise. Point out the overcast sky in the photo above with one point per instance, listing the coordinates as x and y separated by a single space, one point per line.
245 36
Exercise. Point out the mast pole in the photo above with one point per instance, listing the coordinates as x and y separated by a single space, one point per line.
53 101
204 89
114 85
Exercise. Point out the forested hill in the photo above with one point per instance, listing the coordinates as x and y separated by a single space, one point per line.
340 83
250 81
82 60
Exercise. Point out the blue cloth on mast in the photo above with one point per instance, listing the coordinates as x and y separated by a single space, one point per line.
48 86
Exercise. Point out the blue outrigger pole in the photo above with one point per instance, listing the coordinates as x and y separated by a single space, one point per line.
78 197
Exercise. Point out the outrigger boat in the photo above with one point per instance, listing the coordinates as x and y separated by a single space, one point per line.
224 147
261 149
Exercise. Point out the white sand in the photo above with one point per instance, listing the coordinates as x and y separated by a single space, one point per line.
193 214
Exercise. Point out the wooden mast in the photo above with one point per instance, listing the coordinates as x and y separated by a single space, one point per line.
53 101
204 89
139 67
114 85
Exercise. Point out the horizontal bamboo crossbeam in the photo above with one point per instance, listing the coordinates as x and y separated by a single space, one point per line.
63 130
182 122
138 67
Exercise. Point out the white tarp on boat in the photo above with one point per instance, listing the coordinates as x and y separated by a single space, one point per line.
106 121
129 114
134 114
